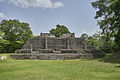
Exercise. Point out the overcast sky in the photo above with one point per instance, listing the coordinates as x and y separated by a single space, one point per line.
42 15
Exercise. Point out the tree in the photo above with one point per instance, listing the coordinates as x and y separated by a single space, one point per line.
60 29
15 30
15 33
1 34
108 11
102 42
3 42
84 36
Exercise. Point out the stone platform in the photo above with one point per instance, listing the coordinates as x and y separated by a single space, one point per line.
48 47
53 56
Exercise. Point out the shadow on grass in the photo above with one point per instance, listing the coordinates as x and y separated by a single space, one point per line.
112 58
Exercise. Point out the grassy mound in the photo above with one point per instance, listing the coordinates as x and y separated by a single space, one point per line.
58 70
112 58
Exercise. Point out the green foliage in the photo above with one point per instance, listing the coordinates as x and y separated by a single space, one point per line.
102 42
112 58
60 29
84 36
15 30
1 34
108 13
14 35
3 45
3 42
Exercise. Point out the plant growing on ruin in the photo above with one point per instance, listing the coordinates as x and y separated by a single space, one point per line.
60 30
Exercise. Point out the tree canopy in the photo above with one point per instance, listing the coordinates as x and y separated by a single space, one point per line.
15 30
60 29
16 33
1 34
100 41
108 13
84 36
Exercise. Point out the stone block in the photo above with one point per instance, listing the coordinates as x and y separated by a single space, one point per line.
68 51
43 57
33 57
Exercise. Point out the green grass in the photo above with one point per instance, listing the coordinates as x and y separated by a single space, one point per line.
58 70
112 58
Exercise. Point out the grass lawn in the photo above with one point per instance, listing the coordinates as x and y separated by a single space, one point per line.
58 70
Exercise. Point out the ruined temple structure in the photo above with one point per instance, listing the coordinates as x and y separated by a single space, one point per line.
48 47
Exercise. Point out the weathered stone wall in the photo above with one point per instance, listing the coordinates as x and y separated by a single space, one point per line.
35 43
52 56
47 35
57 43
71 35
52 48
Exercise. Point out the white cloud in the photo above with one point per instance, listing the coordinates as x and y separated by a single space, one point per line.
2 15
58 4
35 3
